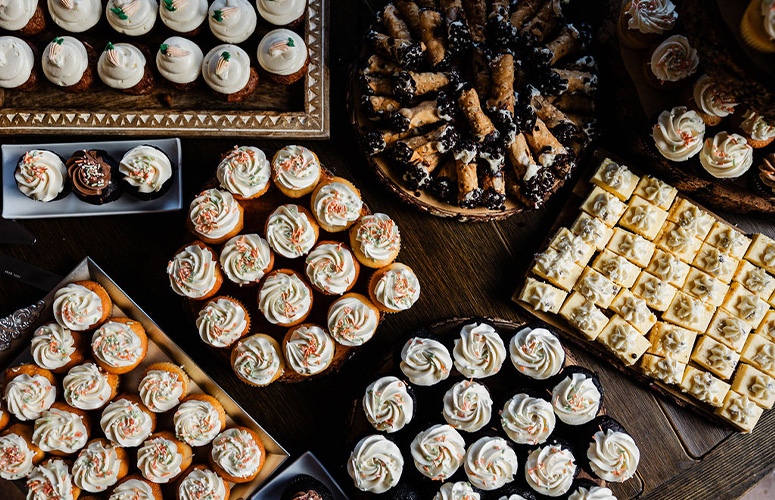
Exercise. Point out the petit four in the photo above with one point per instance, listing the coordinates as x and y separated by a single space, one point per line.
592 230
542 296
704 387
705 287
557 268
616 179
729 330
760 353
656 192
669 371
632 247
616 268
584 315
623 340
762 252
689 312
740 411
715 357
634 310
604 206
755 384
657 293
643 218
596 287
754 279
572 246
745 305
716 263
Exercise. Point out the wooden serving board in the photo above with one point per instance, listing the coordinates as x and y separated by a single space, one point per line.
273 110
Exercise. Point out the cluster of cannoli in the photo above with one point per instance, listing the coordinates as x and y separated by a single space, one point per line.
477 100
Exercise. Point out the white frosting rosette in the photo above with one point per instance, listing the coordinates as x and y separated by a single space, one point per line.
214 213
244 171
125 423
40 175
160 390
159 460
467 406
284 298
550 470
183 16
679 133
192 271
96 468
289 231
438 452
282 52
60 430
425 361
378 236
308 350
202 483
235 451
768 17
117 345
726 155
86 387
295 167
51 346
16 62
528 420
145 168
121 66
479 352
179 60
131 17
15 457
593 493
756 127
281 12
387 404
76 307
75 16
330 267
245 257
221 322
576 399
15 14
375 465
490 463
132 489
710 100
27 397
536 353
232 21
336 205
613 456
50 480
674 59
257 360
460 491
652 16
398 288
351 322
226 69
64 61
196 422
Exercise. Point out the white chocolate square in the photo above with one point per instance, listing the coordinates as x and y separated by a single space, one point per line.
670 341
592 230
542 296
715 356
745 305
760 352
643 218
678 241
632 247
714 262
728 239
669 371
567 243
689 312
634 310
689 216
623 340
704 387
657 293
755 384
616 179
656 192
767 326
583 315
740 411
596 287
603 205
754 279
558 269
616 268
762 252
705 287
669 268
729 330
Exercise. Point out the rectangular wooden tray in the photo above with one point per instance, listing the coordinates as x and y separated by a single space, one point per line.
273 110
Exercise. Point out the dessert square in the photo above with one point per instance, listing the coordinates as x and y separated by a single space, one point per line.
573 246
689 216
592 230
755 384
596 287
643 218
656 192
754 279
616 268
771 301
745 305
729 330
740 411
634 310
728 239
632 247
615 178
760 353
669 268
557 268
689 312
767 326
678 241
704 387
762 252
604 205
671 341
623 340
656 292
542 296
715 356
669 371
716 263
705 287
583 315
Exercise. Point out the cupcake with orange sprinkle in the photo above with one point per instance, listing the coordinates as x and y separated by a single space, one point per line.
82 306
258 360
246 258
394 288
237 455
375 240
119 345
194 272
162 458
198 419
29 391
99 466
215 216
18 454
222 321
163 386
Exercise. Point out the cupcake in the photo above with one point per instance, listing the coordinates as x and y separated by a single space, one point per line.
331 268
17 61
94 176
461 490
726 156
375 240
127 422
198 419
612 454
577 397
467 406
336 204
222 321
375 464
757 131
284 299
232 21
244 171
550 469
194 272
135 487
24 17
394 288
592 492
18 454
490 463
55 348
425 362
162 458
5 417
758 26
246 258
180 61
41 175
147 172
29 391
352 319
119 345
62 430
767 175
479 351
226 69
200 482
671 62
88 387
214 216
296 171
437 452
527 420
711 103
308 349
283 56
291 231
536 353
163 386
131 17
288 13
304 486
258 360
51 479
183 16
75 17
237 455
388 404
65 63
122 66
643 22
678 134
99 466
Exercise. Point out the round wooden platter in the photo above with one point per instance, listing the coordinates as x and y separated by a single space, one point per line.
256 211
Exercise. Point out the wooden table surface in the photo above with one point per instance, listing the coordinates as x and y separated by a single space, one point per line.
465 270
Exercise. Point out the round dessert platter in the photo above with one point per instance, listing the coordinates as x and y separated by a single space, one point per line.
475 111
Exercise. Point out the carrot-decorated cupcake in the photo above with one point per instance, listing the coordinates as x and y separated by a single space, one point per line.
51 479
198 419
162 458
375 240
122 66
232 21
127 422
18 454
146 172
308 349
222 321
194 272
89 387
214 216
237 454
56 348
65 63
41 175
29 391
336 204
284 298
62 430
75 17
394 288
258 360
331 268
226 69
296 171
94 176
131 17
99 466
136 487
163 386
24 17
180 62
246 258
200 482
183 16
757 130
283 56
119 345
289 13
291 231
352 319
671 62
244 171
17 64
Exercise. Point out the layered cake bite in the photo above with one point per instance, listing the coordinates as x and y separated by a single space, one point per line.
179 60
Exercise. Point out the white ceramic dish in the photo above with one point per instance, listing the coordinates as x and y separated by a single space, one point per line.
18 206
306 464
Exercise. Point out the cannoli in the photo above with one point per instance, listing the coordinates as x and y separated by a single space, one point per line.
376 84
543 22
499 29
418 174
502 74
458 33
558 122
428 4
493 182
476 15
405 52
576 82
439 140
481 70
444 184
394 24
409 84
543 143
378 65
468 191
436 46
411 14
425 113
574 103
377 141
523 11
536 188
568 40
379 106
583 63
519 156
481 125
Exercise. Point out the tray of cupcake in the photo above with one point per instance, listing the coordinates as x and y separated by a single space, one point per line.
91 178
103 402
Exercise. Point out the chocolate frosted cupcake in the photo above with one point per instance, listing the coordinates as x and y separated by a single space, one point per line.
24 17
283 56
147 172
180 62
122 66
65 63
75 17
304 487
94 176
41 175
17 61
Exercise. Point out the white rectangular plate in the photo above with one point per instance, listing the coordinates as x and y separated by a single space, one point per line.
306 464
18 206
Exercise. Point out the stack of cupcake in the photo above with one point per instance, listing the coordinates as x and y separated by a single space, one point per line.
303 244
557 446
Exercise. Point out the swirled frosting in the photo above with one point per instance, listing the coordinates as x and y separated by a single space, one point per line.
309 350
244 171
295 167
289 231
159 460
438 452
398 289
467 406
183 16
336 205
117 345
64 61
528 420
768 17
425 361
121 65
15 14
459 491
351 322
576 399
50 481
331 267
131 17
282 52
652 16
40 175
613 456
15 457
479 352
490 463
221 322
593 493
257 360
16 61
550 470
145 168
89 171
76 307
375 465
96 468
179 60
125 423
674 59
200 484
726 155
226 69
378 236
284 298
236 452
28 396
281 12
160 390
388 405
678 133
192 271
756 127
710 100
51 346
214 213
196 422
132 489
60 430
245 257
232 21
75 16
537 353
86 387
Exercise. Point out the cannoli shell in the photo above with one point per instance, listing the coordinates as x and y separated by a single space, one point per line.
430 20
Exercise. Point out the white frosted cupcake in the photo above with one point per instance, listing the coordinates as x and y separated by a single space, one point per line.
16 63
288 13
246 258
679 133
331 268
257 360
65 63
147 172
712 104
291 231
51 479
353 319
308 349
131 17
394 288
179 61
183 16
284 298
671 62
388 404
75 16
232 21
283 55
376 464
226 69
24 17
726 156
222 321
244 171
122 66
296 170
214 216
41 175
